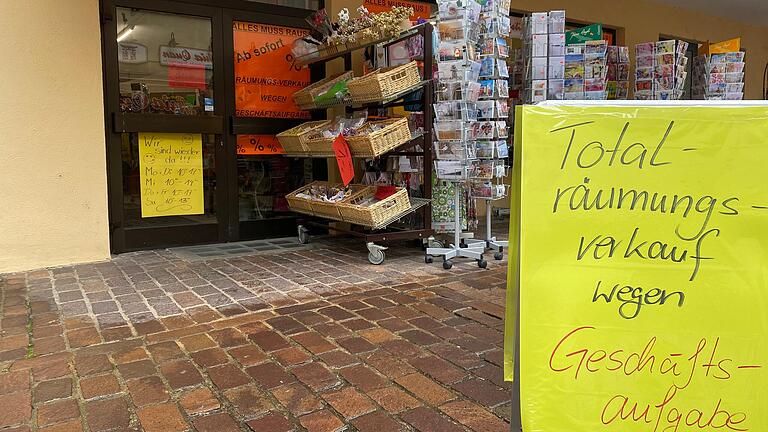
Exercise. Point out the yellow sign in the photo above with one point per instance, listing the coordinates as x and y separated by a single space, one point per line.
731 45
644 269
171 174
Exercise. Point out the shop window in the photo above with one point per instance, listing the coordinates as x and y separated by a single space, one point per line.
165 63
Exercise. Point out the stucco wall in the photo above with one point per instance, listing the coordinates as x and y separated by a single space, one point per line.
52 154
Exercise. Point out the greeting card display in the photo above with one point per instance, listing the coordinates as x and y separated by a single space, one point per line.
718 76
661 70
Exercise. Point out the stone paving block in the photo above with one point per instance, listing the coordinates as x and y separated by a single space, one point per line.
438 369
54 389
349 402
197 342
425 389
210 357
427 420
474 417
274 422
83 337
198 401
297 399
138 369
227 376
17 408
313 342
356 345
220 422
249 401
321 421
68 426
268 341
57 412
377 422
338 359
14 381
270 375
394 400
248 355
180 374
147 390
363 377
315 376
130 355
482 392
100 385
388 364
106 414
162 418
164 351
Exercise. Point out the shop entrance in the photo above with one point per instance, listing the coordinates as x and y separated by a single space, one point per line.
194 94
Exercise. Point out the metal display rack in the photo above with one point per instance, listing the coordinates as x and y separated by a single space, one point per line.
457 128
494 26
385 232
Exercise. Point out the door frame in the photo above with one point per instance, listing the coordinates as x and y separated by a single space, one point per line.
125 239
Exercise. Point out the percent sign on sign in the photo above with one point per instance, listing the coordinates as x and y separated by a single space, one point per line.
258 145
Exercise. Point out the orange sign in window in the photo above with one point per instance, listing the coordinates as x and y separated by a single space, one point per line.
258 145
420 10
265 74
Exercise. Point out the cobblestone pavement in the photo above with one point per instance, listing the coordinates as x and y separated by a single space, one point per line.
315 340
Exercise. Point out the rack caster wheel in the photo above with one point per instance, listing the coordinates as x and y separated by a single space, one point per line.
498 256
435 244
501 249
447 264
463 245
376 257
428 259
303 234
482 263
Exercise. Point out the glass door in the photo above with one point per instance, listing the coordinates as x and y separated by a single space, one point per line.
166 141
262 78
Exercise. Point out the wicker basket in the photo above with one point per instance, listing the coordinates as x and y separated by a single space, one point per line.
375 214
298 204
320 145
394 134
383 83
305 98
328 210
332 210
294 140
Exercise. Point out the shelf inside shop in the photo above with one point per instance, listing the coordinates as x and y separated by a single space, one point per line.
312 58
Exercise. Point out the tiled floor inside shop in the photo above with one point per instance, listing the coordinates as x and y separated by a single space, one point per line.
314 339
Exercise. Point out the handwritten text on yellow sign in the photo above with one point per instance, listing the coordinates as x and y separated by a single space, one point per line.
171 174
644 269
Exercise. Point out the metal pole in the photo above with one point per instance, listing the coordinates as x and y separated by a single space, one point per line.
488 210
457 214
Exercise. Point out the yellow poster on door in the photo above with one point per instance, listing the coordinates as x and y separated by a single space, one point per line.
171 174
644 269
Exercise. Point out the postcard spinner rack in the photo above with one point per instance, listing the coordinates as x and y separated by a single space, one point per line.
488 171
457 126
